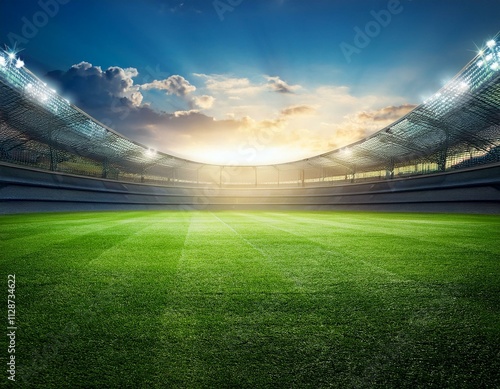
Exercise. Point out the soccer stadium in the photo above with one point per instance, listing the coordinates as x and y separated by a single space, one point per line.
374 265
442 155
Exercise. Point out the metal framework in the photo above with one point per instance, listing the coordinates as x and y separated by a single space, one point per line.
458 127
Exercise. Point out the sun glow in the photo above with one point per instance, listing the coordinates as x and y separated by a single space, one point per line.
247 156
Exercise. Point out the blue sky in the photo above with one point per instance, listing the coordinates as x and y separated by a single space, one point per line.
247 81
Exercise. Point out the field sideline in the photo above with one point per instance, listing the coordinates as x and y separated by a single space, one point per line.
253 299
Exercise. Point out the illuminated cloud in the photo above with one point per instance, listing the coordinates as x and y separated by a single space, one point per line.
230 85
85 69
298 110
203 102
173 85
390 113
220 82
136 98
179 114
264 118
358 126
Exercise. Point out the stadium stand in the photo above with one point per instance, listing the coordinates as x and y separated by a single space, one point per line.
442 156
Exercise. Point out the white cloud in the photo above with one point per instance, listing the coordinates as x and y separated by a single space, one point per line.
173 85
130 72
85 69
221 82
203 102
179 114
230 85
136 98
265 113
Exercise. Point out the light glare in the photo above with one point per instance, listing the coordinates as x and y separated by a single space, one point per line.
346 152
19 63
150 153
491 43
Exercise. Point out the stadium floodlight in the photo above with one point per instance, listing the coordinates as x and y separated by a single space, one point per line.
12 56
2 61
150 152
491 43
480 63
346 152
19 63
495 66
489 57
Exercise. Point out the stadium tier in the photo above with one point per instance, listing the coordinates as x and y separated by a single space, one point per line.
446 150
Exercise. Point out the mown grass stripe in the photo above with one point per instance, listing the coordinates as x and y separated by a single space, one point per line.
50 233
439 226
329 249
440 249
256 299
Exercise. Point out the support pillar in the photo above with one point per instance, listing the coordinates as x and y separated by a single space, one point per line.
442 159
105 168
53 159
389 170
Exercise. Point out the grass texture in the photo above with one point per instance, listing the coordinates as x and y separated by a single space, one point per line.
253 300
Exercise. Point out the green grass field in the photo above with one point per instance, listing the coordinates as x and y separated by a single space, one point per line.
253 300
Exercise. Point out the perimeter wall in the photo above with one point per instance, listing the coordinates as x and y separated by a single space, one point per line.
470 191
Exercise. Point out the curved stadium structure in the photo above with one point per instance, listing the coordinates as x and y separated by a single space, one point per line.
444 155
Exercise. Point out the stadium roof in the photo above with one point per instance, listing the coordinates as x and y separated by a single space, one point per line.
465 112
